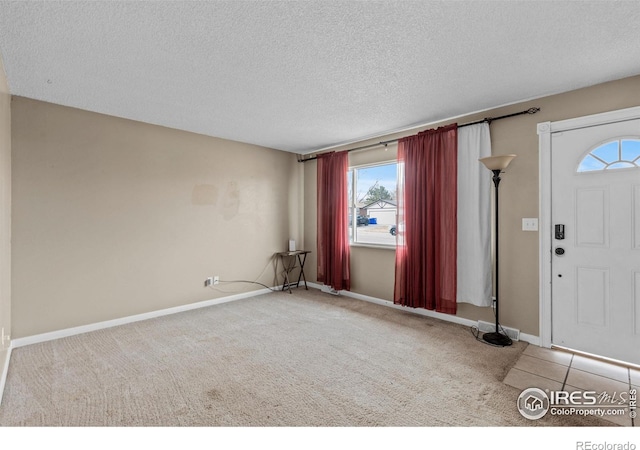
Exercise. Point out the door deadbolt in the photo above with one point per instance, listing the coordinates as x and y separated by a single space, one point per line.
559 251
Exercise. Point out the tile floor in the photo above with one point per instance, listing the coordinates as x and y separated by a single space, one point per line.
560 370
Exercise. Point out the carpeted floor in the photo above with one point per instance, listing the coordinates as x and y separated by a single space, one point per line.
307 359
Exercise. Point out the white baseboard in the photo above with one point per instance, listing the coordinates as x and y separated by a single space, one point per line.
530 338
21 342
44 337
535 340
5 371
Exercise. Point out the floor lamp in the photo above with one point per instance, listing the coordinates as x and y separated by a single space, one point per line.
497 164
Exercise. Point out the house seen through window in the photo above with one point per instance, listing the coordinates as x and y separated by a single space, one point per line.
373 204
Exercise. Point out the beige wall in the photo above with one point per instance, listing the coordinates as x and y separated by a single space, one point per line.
372 269
5 216
113 218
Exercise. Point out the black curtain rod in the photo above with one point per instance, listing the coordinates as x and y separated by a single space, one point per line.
486 119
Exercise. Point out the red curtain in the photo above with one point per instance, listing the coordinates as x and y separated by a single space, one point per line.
427 222
333 233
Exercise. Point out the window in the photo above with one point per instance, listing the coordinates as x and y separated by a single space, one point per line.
618 154
372 204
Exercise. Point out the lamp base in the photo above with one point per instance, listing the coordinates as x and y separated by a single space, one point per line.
497 339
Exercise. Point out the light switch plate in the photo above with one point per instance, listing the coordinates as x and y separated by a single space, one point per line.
530 224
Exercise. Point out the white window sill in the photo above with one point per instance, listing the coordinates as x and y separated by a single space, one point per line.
376 246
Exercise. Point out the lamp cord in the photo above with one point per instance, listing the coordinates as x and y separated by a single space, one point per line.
250 282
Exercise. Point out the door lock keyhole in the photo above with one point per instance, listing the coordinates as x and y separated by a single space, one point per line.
559 251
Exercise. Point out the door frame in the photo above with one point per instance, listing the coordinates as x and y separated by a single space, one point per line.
545 130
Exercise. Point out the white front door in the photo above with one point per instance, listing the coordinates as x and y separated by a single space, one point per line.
595 260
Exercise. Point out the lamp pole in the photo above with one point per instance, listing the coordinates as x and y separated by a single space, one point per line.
496 337
496 164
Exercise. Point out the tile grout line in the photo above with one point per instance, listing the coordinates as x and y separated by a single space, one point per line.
534 374
552 362
542 359
566 375
542 376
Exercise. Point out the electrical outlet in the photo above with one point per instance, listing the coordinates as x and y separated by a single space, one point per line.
208 282
216 279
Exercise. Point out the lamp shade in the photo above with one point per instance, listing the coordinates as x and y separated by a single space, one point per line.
497 162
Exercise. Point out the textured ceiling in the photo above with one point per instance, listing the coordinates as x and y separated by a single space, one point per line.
302 76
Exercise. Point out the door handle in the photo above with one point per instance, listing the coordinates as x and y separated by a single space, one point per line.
559 251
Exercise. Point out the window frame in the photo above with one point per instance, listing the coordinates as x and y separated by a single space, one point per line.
607 165
352 201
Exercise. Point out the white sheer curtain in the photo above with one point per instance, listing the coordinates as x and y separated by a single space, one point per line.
474 216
